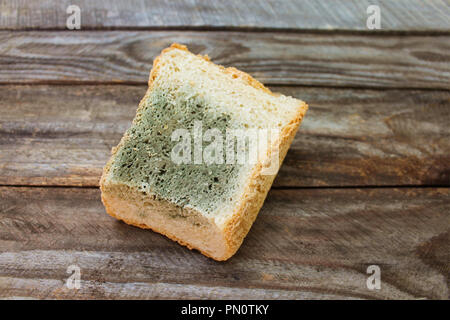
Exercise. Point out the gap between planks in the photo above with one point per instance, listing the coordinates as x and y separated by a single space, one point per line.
271 86
206 29
418 186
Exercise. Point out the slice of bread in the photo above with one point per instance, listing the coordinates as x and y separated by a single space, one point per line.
209 206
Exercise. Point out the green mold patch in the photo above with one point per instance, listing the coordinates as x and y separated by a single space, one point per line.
144 160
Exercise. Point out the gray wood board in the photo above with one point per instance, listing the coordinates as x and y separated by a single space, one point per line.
62 135
349 15
306 243
376 61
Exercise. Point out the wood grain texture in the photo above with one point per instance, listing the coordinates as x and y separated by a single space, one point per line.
309 243
375 61
62 135
399 15
379 116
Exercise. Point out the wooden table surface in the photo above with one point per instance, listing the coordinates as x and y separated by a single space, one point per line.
366 181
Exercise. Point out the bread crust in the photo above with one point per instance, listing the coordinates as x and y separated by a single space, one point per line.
257 188
237 226
111 211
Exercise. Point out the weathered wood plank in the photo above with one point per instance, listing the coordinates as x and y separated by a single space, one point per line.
23 288
400 15
62 135
274 58
313 243
364 137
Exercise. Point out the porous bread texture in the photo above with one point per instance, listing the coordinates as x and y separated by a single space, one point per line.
206 207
